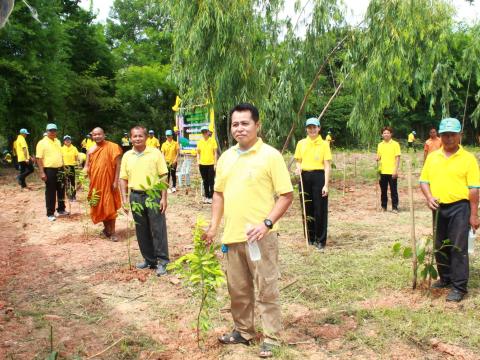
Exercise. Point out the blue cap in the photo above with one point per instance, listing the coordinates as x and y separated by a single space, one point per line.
450 125
414 132
67 137
51 127
204 128
169 133
24 131
312 121
151 132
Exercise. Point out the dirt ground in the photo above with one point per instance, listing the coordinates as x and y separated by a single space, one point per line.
62 288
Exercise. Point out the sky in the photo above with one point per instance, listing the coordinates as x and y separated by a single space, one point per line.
355 9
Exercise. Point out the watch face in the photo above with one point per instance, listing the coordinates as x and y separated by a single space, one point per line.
268 223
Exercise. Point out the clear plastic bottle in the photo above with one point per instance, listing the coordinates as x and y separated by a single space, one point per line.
471 241
253 249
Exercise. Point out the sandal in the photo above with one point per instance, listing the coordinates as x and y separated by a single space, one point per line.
266 350
233 338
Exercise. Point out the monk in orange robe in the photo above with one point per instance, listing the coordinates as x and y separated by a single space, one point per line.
103 169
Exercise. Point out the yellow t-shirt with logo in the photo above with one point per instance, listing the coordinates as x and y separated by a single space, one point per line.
207 150
70 155
153 142
313 153
249 182
50 151
136 167
170 150
388 152
21 143
450 178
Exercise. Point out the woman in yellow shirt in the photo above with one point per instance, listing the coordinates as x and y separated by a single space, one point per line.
313 157
70 161
207 160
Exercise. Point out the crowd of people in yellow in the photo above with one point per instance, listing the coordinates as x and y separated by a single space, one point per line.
255 174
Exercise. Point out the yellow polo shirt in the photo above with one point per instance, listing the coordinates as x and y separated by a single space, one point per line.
89 143
50 151
328 138
21 143
125 141
136 167
450 178
170 150
249 182
313 153
153 142
207 150
388 151
70 155
411 138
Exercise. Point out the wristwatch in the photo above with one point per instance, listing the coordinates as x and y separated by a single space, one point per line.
268 223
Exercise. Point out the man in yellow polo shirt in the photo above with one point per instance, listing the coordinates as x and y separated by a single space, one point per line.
152 141
450 180
150 224
388 153
207 160
23 158
411 140
70 162
249 176
50 164
170 150
313 158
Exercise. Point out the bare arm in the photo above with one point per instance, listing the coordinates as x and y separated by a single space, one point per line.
124 194
473 198
397 166
328 167
41 169
281 206
217 213
118 161
432 202
298 167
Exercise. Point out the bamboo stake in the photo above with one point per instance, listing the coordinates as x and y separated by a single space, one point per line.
465 107
344 174
302 194
412 224
377 184
355 171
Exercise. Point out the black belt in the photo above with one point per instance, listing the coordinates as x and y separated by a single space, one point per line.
313 171
138 191
443 206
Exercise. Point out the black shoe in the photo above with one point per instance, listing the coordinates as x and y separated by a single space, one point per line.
145 265
63 213
440 284
161 270
455 295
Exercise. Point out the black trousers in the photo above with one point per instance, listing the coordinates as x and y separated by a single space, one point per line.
70 184
25 168
452 260
151 230
385 181
316 206
208 177
54 190
172 173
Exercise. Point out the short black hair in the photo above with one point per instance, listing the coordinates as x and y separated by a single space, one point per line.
388 128
139 127
246 107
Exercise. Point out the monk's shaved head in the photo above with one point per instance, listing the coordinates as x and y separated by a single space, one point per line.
98 129
98 135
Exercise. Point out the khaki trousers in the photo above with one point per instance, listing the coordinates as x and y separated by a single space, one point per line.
243 277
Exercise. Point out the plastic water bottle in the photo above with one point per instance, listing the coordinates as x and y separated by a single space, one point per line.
253 249
471 241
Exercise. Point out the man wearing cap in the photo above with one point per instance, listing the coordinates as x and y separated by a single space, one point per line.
388 153
329 138
433 143
450 180
150 224
411 140
50 165
23 158
125 143
152 141
170 150
207 160
252 191
70 162
103 169
313 158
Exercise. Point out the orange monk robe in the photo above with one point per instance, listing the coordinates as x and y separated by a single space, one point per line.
101 171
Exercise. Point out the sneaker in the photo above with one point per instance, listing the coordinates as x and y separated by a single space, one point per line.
145 265
51 218
209 201
455 295
169 191
395 211
63 213
205 200
174 189
161 270
320 247
440 284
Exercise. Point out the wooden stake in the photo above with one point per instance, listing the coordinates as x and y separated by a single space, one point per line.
302 194
344 173
412 223
355 170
